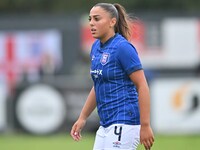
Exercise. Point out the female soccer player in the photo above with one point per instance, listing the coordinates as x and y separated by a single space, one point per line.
120 90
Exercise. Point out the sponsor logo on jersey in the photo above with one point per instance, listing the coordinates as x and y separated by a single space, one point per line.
96 72
104 58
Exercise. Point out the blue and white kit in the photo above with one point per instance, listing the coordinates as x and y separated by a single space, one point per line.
116 95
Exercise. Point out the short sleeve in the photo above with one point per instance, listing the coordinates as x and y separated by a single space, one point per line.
128 57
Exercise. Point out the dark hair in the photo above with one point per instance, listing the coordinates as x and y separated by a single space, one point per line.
123 19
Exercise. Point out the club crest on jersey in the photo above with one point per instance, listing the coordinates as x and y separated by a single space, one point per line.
105 58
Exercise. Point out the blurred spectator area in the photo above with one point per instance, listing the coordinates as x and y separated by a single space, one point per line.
54 50
37 45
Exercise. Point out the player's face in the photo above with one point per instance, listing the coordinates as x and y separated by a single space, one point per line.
101 24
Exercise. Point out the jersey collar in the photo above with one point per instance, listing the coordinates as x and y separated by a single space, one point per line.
103 45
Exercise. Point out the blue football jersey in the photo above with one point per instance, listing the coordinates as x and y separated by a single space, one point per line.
116 95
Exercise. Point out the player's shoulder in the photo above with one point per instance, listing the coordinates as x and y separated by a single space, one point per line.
126 46
95 46
96 43
121 42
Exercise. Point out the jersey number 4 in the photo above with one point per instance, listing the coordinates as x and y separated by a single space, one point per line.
118 132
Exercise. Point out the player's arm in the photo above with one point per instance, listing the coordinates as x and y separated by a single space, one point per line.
87 109
146 134
89 106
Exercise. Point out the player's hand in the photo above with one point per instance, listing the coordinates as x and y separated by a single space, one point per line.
76 129
146 137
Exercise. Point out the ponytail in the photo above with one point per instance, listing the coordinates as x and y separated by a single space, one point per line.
123 19
124 22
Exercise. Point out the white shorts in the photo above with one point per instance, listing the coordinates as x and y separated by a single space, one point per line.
117 137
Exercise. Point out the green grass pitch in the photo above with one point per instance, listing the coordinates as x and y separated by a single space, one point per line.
64 142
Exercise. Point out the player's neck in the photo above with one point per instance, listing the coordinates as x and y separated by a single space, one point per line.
107 37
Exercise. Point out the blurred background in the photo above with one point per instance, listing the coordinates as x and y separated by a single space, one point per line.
44 70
